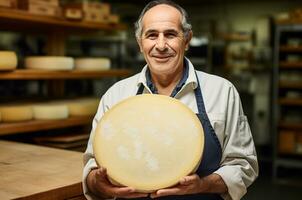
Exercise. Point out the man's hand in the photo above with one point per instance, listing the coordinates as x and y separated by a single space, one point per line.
193 184
187 185
99 184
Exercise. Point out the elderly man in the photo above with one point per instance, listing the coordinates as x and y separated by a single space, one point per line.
229 163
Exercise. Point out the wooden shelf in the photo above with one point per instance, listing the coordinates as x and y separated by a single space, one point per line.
290 85
285 48
291 65
28 74
290 102
12 19
236 37
289 22
39 125
290 125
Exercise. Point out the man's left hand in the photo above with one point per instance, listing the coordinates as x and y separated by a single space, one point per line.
188 185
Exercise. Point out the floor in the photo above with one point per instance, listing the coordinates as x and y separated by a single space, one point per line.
264 188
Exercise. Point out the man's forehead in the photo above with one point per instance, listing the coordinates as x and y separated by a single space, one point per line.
162 15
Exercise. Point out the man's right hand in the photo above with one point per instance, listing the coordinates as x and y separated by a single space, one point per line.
99 184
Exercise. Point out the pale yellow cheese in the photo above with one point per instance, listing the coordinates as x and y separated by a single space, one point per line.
82 107
92 64
49 62
50 111
148 142
16 113
8 60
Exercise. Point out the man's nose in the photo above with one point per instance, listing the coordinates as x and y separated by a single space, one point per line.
161 43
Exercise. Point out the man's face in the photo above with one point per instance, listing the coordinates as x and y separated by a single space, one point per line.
162 41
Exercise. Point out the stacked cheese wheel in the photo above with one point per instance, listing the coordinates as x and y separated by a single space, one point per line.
48 111
49 62
66 63
148 142
83 107
16 113
97 64
8 60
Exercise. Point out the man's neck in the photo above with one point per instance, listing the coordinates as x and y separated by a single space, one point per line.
167 82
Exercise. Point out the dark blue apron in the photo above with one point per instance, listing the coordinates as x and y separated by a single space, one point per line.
211 154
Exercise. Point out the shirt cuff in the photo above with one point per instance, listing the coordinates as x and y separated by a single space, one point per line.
90 165
232 178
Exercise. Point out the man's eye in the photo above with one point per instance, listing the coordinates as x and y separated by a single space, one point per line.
151 36
170 35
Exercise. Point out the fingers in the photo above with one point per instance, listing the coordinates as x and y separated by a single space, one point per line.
187 180
166 192
127 192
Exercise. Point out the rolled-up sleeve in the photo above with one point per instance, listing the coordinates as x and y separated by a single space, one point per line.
239 165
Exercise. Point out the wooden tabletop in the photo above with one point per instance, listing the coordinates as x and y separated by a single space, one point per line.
35 172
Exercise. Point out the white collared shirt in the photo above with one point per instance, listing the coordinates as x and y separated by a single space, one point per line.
238 166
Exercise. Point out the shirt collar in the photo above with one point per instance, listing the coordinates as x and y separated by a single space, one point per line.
188 78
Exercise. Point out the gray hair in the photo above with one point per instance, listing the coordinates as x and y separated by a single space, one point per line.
186 26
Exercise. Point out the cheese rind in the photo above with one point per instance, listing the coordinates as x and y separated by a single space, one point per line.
16 113
49 62
50 111
8 60
148 142
83 107
92 64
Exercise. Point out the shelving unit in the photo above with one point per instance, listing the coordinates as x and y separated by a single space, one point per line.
41 125
57 30
22 20
287 109
28 74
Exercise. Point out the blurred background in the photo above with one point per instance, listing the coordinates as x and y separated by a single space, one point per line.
255 44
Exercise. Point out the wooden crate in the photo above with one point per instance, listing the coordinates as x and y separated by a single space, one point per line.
25 3
8 3
287 142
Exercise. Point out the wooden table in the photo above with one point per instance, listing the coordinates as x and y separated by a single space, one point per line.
35 172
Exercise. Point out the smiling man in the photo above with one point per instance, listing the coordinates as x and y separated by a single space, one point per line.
229 164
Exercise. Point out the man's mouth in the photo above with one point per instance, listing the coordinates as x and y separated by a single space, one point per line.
161 58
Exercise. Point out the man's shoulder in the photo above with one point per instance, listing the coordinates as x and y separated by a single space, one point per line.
131 81
122 89
213 80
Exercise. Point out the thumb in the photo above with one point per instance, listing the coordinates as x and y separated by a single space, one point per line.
101 172
187 180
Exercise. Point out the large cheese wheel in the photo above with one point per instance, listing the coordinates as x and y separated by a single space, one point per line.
8 60
49 62
148 142
92 64
16 113
50 111
83 107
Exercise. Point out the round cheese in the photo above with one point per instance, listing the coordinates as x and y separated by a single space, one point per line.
50 111
16 113
148 142
49 62
83 107
8 60
97 64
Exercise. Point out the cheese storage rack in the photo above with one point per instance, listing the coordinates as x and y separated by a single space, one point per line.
56 30
287 99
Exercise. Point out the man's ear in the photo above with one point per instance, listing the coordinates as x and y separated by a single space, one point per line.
139 42
188 39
